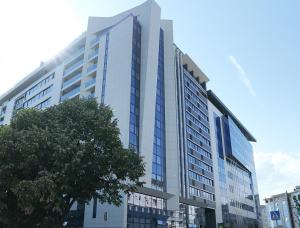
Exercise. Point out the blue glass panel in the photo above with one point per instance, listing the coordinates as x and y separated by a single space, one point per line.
104 68
135 87
158 165
219 137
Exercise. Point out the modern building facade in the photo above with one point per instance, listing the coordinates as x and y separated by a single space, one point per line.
234 171
130 62
287 205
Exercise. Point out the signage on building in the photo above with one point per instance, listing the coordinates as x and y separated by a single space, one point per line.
275 215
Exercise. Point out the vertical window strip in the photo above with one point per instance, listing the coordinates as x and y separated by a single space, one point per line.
135 87
158 163
95 208
104 68
219 137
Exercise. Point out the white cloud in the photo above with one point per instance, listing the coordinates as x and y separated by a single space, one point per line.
242 75
276 172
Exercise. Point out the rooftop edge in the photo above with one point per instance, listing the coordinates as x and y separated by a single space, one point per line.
222 107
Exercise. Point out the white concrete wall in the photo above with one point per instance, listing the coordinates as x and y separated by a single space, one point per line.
116 216
117 96
118 76
171 118
211 110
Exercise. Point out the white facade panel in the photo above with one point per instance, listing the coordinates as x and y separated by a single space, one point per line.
213 110
118 79
172 151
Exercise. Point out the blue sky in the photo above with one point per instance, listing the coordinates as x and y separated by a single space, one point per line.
249 50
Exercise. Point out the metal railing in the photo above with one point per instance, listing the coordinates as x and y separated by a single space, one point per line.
90 82
73 67
70 94
70 81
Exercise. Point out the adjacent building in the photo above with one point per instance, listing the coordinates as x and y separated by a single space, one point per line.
283 210
264 217
234 171
199 161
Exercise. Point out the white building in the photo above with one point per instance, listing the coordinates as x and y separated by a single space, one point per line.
285 204
158 94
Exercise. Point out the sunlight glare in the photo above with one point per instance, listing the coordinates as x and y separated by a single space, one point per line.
35 31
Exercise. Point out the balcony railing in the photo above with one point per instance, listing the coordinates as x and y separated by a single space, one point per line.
70 94
73 67
80 50
90 82
93 54
91 95
91 68
95 41
70 81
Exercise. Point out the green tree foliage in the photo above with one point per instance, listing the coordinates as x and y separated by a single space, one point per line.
50 159
296 199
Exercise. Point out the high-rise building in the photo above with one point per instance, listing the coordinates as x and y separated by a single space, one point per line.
157 92
237 201
287 208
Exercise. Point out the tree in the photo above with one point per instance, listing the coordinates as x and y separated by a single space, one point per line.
296 199
50 159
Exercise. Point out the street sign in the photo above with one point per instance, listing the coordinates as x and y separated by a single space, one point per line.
275 215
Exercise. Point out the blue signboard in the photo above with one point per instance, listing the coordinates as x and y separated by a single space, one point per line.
275 215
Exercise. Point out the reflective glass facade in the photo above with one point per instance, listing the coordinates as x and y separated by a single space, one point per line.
135 87
104 67
236 144
236 174
159 148
146 211
221 164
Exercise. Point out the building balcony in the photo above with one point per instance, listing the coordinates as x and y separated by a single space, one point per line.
74 79
73 67
70 94
90 82
90 96
91 68
73 55
93 54
95 41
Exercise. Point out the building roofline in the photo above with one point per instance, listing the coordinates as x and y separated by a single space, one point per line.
212 97
192 66
296 190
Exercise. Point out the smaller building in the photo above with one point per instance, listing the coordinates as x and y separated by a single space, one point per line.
264 217
283 210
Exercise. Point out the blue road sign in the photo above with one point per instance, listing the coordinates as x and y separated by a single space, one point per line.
275 215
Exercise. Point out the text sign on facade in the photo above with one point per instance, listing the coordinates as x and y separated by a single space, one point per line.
275 215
